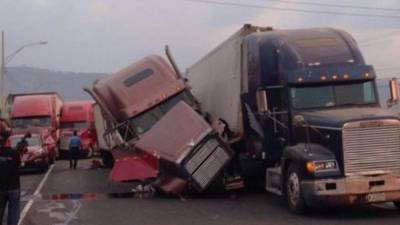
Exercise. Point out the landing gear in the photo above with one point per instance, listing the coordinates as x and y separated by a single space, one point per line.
90 153
294 193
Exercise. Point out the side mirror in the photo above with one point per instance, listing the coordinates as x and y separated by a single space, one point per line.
262 102
394 92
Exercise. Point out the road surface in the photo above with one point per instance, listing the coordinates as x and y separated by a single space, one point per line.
84 196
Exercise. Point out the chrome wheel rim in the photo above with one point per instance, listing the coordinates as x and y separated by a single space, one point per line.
293 189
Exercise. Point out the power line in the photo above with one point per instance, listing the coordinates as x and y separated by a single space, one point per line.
374 42
380 36
211 2
379 39
333 5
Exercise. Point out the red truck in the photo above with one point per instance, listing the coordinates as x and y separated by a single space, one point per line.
38 113
36 155
165 138
78 116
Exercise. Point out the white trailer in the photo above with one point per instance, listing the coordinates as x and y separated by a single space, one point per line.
106 141
216 79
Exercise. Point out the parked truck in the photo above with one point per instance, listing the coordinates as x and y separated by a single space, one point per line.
78 116
38 113
305 103
165 138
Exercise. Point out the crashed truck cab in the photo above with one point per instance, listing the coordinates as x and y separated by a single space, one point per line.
168 140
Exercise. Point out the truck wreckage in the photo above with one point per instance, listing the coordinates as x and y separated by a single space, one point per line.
164 140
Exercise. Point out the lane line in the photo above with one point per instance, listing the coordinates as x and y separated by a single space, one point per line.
36 193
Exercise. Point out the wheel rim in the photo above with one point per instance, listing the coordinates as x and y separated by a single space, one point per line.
293 189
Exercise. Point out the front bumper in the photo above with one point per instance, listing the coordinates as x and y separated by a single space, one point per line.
352 190
33 164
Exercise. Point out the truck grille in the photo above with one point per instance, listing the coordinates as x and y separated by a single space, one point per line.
209 169
207 162
371 146
201 155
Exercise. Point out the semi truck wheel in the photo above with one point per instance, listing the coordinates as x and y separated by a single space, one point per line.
294 194
52 159
45 166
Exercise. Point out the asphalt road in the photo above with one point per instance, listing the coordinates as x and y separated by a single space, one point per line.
84 196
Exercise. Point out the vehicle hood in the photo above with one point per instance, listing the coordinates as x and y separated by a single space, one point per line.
175 134
33 153
335 118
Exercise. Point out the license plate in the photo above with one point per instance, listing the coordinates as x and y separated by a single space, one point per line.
376 197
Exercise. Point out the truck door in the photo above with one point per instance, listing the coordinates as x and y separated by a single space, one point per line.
278 119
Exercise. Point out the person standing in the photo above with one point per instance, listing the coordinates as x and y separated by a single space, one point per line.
75 146
22 145
9 177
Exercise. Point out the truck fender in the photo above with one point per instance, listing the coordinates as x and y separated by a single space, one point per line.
301 153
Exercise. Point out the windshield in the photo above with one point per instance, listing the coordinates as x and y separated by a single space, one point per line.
333 95
74 125
30 122
33 141
146 120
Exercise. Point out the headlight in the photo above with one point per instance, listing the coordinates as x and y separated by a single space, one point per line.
321 166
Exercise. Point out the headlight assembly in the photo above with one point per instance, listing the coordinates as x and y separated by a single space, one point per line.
322 166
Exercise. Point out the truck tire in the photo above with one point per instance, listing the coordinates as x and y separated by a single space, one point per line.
107 159
397 204
44 167
57 153
293 190
52 159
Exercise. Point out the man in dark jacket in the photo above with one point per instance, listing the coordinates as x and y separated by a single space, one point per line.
22 145
75 146
9 176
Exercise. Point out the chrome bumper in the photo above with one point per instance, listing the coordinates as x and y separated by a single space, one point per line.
352 190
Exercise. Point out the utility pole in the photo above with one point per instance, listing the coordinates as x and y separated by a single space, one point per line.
2 80
3 62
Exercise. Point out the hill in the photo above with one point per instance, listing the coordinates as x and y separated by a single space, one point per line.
23 79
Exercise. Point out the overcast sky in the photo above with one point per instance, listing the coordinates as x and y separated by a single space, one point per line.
106 35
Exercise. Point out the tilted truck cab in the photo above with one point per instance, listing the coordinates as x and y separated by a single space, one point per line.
165 138
306 103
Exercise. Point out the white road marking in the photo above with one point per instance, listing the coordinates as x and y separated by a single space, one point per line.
36 193
59 212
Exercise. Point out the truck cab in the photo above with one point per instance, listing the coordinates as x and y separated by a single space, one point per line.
38 113
164 136
321 116
78 116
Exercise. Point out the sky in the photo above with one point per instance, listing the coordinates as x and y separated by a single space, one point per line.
107 35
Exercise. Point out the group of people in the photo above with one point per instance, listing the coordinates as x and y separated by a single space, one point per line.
10 162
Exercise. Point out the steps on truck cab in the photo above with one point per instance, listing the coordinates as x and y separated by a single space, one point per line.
273 180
